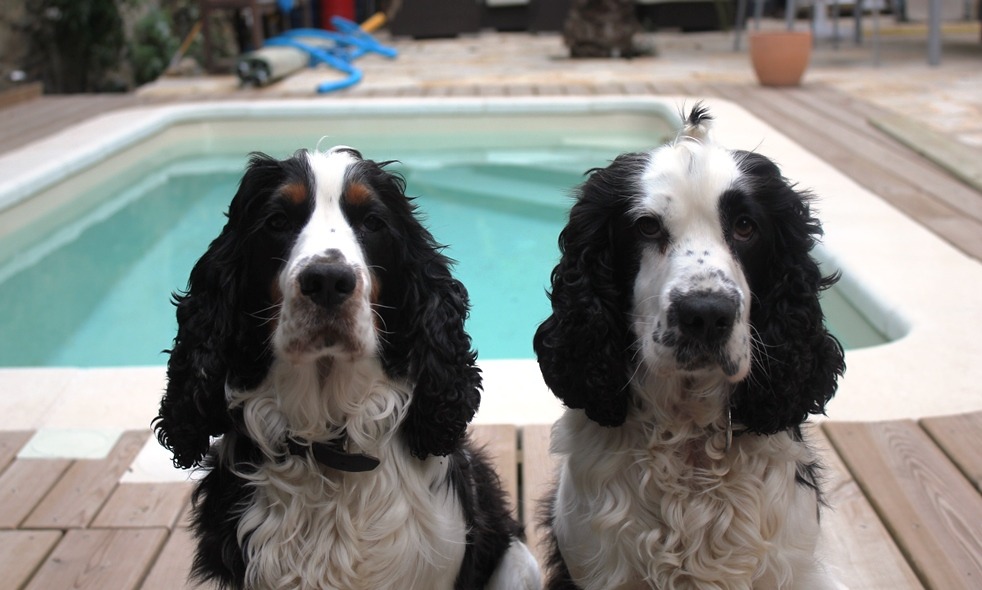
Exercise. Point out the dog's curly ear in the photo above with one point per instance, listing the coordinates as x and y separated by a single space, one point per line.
217 340
583 347
422 315
443 366
796 361
193 407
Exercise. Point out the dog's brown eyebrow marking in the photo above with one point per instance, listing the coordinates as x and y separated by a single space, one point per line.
358 193
295 192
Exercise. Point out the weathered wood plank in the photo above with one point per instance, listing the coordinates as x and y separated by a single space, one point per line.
845 110
100 559
11 442
960 437
861 553
20 94
81 492
24 484
144 505
933 513
538 473
21 552
170 572
500 442
38 118
962 161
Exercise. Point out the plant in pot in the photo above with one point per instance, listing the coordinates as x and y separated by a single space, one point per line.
780 58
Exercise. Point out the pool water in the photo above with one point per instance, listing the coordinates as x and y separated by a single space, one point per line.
101 298
95 291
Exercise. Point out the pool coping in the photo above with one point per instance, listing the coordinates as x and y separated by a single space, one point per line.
912 285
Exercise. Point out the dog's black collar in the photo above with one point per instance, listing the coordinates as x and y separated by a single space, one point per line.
332 454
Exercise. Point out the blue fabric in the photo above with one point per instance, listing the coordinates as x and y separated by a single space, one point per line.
285 5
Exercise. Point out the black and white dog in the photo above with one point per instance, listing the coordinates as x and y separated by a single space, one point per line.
321 339
687 342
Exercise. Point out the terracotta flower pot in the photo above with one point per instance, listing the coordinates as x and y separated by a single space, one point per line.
780 57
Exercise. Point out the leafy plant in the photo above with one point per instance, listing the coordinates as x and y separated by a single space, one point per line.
152 46
75 43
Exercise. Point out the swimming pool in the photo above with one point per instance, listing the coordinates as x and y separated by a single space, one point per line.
100 252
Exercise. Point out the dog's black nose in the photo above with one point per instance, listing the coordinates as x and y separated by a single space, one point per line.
706 317
327 284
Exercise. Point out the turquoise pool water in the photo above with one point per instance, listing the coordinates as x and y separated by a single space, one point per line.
101 296
93 289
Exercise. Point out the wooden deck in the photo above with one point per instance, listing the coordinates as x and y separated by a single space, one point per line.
905 496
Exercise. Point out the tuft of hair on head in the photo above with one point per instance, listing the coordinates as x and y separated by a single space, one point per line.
697 123
334 149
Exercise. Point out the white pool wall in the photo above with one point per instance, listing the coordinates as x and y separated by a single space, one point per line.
909 282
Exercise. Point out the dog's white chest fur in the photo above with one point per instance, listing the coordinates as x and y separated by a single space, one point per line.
396 525
640 516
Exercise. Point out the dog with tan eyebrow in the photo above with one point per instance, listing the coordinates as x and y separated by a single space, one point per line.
322 379
687 342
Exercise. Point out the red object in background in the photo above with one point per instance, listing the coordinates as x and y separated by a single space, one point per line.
329 8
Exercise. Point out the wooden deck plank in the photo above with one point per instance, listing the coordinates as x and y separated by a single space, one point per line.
861 553
144 505
500 441
538 473
24 484
21 552
960 436
170 572
960 160
916 166
44 116
934 514
11 442
100 559
87 484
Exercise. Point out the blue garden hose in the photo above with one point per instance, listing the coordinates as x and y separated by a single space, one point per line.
347 44
320 55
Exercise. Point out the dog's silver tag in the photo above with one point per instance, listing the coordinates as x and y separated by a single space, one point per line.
729 430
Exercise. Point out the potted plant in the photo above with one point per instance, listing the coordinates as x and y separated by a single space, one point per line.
780 58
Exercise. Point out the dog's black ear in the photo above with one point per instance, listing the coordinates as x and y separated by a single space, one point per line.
421 315
583 347
217 340
796 361
193 407
442 365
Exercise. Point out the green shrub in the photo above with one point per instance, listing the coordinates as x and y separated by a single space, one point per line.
75 44
152 46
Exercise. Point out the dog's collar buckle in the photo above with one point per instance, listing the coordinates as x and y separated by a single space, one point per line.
332 454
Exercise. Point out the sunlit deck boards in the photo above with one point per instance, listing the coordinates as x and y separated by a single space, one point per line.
906 508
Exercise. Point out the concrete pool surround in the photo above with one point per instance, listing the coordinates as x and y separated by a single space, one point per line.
915 288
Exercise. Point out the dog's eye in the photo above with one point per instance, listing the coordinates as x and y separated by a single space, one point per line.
650 227
278 222
372 222
744 229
